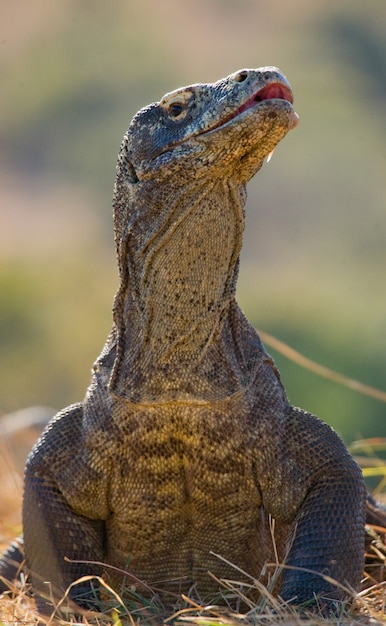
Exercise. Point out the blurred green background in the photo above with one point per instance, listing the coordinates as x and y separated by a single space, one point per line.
74 72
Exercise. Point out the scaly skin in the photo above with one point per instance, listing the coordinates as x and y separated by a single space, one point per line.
185 443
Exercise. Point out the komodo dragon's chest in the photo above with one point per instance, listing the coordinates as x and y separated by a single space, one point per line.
185 489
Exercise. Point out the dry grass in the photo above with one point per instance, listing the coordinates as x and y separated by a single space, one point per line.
369 607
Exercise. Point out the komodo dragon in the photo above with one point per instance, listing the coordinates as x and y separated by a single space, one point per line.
185 446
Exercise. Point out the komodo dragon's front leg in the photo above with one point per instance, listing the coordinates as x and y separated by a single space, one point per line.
54 533
316 485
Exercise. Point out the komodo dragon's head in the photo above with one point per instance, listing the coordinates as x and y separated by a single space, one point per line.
195 135
178 212
210 128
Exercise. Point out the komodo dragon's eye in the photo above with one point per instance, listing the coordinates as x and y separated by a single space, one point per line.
176 109
176 106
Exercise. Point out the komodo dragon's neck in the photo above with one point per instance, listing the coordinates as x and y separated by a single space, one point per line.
177 293
178 211
189 273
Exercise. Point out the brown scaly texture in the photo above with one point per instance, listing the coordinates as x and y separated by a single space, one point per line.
185 443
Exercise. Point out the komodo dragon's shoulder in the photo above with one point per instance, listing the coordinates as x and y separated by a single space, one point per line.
185 444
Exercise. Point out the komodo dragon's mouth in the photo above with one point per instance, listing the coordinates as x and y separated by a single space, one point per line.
276 91
272 91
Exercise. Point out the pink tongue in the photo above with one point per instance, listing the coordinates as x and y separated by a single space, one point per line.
274 91
270 92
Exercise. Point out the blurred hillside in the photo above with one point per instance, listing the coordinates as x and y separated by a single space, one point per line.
72 75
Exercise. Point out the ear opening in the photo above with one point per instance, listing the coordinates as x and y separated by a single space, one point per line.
130 172
124 163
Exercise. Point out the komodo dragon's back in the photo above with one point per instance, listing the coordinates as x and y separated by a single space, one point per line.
185 446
